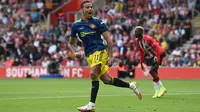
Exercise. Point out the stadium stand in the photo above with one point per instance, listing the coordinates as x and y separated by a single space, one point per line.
24 43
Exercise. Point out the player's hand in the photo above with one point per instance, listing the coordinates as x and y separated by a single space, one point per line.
110 61
78 55
154 61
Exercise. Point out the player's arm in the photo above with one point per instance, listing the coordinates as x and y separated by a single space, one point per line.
109 43
141 55
104 31
72 47
72 42
156 47
102 28
141 58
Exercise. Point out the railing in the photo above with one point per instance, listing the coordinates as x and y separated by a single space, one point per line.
57 9
193 19
67 15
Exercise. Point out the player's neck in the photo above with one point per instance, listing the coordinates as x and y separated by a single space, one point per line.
85 18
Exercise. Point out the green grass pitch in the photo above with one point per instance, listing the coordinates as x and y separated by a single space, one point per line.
65 95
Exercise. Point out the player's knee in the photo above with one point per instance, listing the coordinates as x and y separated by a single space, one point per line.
94 75
153 70
156 79
107 81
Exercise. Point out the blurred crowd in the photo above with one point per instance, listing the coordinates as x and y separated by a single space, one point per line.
169 22
186 58
24 43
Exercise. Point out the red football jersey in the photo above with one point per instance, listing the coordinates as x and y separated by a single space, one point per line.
150 47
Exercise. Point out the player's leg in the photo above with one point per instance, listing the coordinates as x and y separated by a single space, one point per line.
107 79
158 86
155 80
95 70
162 90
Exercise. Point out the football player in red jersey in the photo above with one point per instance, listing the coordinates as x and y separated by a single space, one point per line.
149 47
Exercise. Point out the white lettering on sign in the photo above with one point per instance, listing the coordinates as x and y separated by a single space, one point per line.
37 73
21 72
77 72
8 72
65 72
43 71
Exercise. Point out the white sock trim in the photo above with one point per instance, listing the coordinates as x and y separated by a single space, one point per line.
160 85
91 103
156 87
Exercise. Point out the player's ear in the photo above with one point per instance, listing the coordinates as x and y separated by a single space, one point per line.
81 10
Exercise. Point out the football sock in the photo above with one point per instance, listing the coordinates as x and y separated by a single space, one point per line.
91 103
160 85
119 83
94 91
156 88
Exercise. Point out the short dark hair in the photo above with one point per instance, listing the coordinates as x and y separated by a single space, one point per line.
87 1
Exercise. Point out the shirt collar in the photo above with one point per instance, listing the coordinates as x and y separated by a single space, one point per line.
88 19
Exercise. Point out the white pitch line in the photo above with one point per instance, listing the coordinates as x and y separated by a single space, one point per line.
84 96
75 91
45 92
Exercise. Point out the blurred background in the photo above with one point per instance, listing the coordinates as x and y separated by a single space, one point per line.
34 37
36 32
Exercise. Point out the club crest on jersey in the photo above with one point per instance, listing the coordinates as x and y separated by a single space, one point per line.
92 26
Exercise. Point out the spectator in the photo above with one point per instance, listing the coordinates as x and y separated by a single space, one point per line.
40 6
172 39
49 5
122 73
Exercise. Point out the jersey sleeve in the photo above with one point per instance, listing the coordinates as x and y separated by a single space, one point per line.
102 26
141 51
73 30
141 55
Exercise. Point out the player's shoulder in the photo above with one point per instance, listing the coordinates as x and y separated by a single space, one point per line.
98 20
136 41
148 37
76 22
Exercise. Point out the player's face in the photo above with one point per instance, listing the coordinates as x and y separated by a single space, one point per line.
139 34
87 10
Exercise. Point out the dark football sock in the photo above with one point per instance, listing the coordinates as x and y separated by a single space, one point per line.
119 83
94 91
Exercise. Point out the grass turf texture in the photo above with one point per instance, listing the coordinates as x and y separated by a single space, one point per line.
65 95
